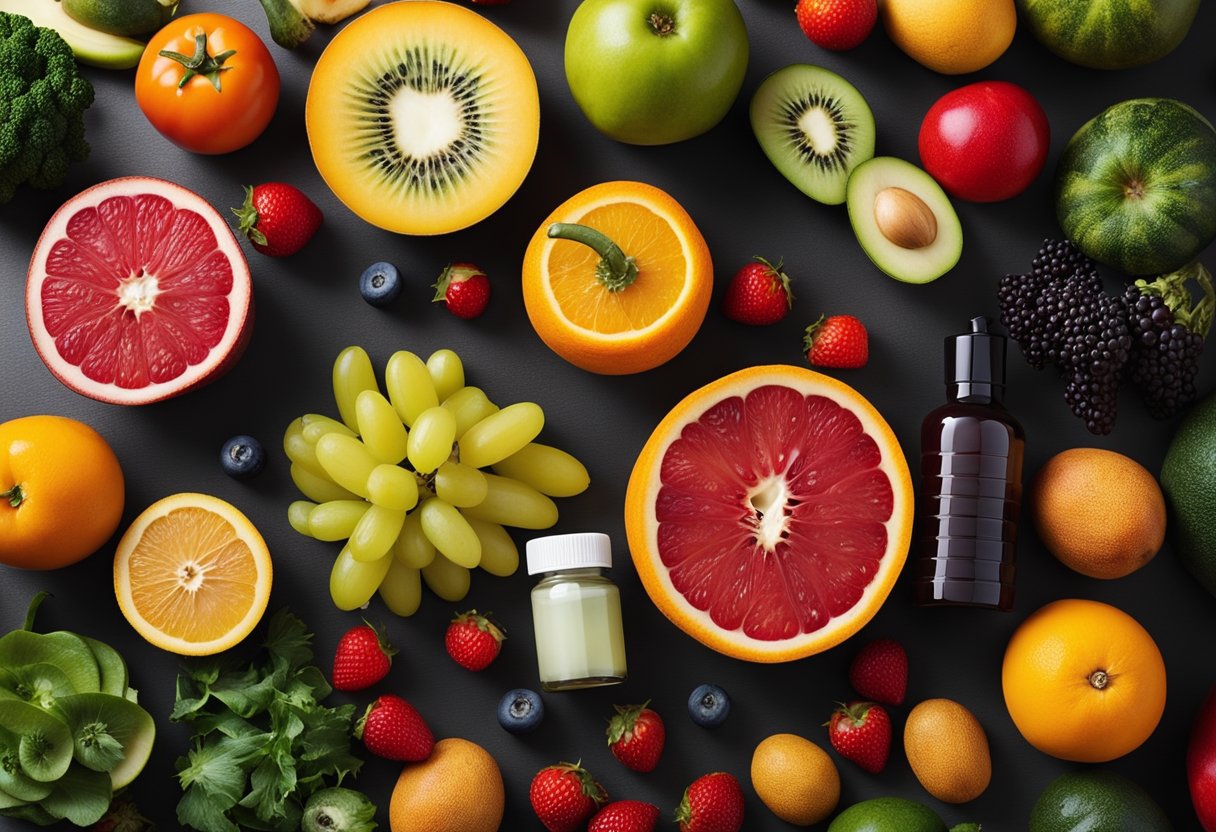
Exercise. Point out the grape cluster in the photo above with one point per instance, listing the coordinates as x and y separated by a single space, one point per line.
1151 335
400 479
1059 314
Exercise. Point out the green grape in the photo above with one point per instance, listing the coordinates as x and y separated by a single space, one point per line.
374 535
401 589
336 520
412 548
501 434
499 556
511 503
380 427
300 452
469 405
409 384
316 426
450 533
318 489
459 484
549 470
447 580
352 582
431 439
447 372
392 487
297 516
353 374
347 461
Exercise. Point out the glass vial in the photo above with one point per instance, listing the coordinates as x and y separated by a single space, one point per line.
576 610
971 481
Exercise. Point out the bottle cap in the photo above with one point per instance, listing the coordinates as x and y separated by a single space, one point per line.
976 357
569 551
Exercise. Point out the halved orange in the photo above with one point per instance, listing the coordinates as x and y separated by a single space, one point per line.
192 575
612 323
769 513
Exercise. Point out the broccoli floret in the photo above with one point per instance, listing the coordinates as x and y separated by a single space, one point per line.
42 102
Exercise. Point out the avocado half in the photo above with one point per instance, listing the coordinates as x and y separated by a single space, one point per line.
903 220
90 46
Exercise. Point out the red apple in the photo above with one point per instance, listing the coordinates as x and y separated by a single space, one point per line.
986 141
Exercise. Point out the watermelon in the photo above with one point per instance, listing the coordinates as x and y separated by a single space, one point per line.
1109 34
1088 801
1136 186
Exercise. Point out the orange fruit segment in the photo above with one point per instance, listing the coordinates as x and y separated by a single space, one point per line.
192 575
769 513
646 319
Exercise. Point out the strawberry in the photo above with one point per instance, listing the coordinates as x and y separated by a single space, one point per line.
758 294
278 218
861 732
564 796
625 816
839 341
473 640
392 729
837 24
713 803
464 288
363 658
880 672
636 736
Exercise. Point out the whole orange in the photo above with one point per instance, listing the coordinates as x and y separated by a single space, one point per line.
61 492
1100 513
1083 681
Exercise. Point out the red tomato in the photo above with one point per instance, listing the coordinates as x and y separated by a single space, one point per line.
223 106
986 141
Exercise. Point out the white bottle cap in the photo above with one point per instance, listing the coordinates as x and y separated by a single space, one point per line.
588 550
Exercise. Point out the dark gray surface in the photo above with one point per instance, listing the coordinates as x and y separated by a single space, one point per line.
308 308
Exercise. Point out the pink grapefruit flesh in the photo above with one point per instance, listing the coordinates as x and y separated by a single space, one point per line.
137 292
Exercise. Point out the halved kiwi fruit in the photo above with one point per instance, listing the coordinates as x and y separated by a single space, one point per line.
423 117
815 127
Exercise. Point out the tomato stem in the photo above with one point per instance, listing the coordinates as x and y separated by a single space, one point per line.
200 63
15 495
616 270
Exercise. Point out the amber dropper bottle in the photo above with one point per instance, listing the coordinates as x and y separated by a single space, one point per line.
971 481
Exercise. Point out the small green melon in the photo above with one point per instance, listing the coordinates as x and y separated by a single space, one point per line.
1096 801
1188 478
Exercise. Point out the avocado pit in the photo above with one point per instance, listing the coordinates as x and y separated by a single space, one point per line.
904 218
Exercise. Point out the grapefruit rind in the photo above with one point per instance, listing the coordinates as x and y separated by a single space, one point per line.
245 532
219 359
642 525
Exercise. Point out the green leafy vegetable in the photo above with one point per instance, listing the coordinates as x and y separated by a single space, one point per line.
263 743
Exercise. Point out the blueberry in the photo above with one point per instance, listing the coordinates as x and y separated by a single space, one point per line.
380 284
242 457
520 711
708 706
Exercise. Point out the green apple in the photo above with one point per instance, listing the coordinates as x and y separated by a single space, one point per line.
655 71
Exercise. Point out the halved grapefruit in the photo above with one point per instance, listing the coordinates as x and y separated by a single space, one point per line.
137 291
769 513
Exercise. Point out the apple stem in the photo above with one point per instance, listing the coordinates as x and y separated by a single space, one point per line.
662 24
616 270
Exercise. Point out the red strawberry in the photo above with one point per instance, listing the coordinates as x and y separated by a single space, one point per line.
861 732
837 24
758 294
625 816
278 218
392 729
363 658
464 288
473 640
636 736
713 803
564 796
839 341
880 672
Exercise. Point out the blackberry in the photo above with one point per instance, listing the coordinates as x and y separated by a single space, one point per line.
1168 334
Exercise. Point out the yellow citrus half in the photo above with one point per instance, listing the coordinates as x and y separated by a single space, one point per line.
192 575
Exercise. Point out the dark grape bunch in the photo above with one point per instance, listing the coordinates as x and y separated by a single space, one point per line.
1152 335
